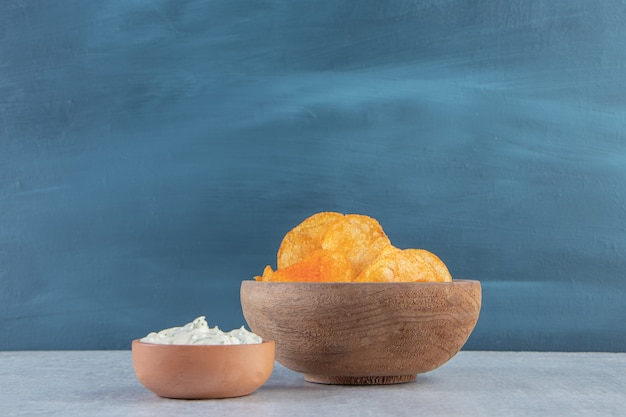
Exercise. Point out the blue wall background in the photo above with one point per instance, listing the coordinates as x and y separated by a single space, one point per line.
154 153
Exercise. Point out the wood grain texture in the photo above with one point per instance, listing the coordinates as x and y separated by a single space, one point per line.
362 333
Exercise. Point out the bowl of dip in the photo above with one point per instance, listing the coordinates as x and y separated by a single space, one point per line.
360 333
196 361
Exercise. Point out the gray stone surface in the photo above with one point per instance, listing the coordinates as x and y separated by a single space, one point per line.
102 383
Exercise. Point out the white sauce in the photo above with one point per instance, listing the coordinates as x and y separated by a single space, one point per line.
198 332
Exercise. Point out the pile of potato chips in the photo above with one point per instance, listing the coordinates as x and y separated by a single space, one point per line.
333 247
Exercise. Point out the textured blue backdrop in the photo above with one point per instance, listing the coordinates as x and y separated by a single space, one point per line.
153 154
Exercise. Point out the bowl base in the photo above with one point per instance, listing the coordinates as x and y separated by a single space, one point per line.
359 380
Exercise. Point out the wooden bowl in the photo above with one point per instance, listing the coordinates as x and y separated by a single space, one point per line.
362 333
202 371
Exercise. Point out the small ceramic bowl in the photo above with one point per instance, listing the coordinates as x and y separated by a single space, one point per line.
202 371
362 333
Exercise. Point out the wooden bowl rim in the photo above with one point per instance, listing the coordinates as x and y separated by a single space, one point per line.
394 284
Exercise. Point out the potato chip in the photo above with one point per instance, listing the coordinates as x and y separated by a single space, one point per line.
267 274
332 247
305 238
396 265
440 268
318 266
359 238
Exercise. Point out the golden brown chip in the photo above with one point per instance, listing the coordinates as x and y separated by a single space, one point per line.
318 266
305 238
439 267
267 274
409 265
330 246
359 238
